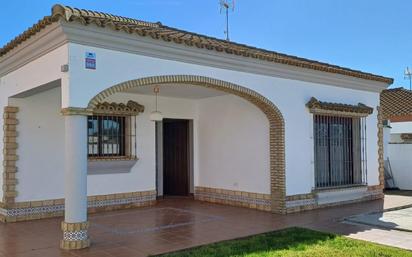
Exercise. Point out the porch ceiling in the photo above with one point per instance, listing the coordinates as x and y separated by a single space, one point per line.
178 91
39 89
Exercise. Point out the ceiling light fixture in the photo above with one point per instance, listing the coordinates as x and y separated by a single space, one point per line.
156 115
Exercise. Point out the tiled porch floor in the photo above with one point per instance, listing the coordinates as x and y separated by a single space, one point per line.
181 223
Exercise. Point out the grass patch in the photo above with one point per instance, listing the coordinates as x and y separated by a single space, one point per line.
296 242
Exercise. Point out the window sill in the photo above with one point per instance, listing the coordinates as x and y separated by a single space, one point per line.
339 188
340 194
112 158
111 165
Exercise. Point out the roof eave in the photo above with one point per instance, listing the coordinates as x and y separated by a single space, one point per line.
85 17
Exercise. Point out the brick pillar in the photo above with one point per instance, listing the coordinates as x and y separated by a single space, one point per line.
10 154
381 160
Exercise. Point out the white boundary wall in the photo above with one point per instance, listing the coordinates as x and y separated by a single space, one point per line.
400 156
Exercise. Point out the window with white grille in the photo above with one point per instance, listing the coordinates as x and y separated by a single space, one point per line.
340 151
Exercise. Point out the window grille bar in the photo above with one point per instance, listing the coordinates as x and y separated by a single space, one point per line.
135 134
340 151
129 133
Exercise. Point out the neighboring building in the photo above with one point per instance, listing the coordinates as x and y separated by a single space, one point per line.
241 125
397 111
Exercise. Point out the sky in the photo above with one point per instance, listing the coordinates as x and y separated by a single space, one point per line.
369 35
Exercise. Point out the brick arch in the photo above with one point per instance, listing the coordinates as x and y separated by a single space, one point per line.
276 121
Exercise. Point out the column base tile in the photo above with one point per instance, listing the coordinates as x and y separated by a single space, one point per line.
75 235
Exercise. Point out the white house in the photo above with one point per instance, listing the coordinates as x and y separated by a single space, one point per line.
397 112
235 124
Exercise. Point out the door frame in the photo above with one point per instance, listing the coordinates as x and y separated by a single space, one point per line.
159 156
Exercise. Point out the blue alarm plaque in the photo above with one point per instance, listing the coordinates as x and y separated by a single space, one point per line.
90 61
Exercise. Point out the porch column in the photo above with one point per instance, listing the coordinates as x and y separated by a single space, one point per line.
75 224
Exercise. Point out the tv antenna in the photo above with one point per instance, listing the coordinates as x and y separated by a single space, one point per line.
226 5
408 75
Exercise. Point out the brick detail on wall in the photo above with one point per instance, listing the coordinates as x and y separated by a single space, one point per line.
381 160
33 210
234 198
10 156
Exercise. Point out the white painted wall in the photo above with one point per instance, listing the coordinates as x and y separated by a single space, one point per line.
386 140
113 67
39 71
41 146
233 145
220 156
290 96
398 128
2 104
33 74
401 127
395 138
400 155
233 154
401 162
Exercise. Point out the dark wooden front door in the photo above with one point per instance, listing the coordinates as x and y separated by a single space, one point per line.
175 157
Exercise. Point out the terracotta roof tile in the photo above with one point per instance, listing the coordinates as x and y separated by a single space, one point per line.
339 107
396 102
169 34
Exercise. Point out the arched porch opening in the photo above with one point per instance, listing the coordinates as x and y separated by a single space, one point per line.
273 114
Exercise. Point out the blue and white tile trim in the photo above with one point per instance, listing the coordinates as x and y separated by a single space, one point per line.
75 235
58 209
31 210
298 203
